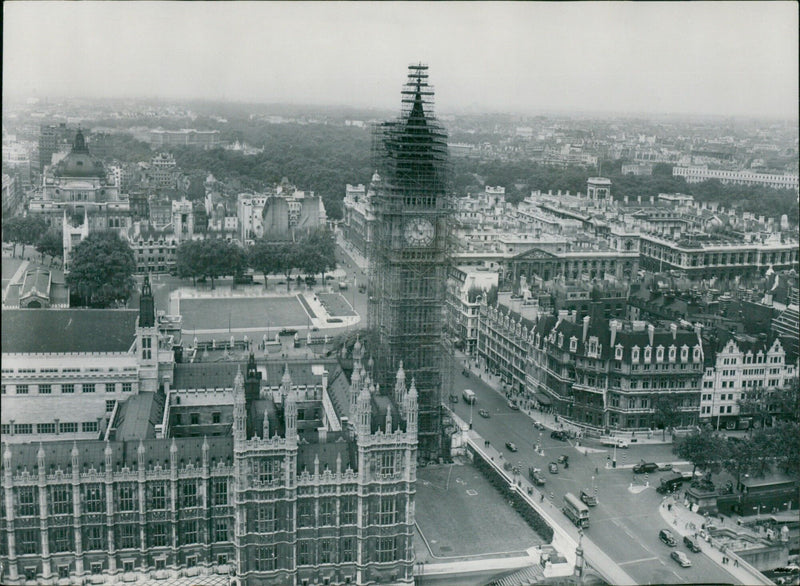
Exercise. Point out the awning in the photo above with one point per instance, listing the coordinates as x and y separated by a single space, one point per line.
543 399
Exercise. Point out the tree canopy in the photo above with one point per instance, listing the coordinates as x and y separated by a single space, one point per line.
210 258
666 412
24 230
101 270
704 449
50 243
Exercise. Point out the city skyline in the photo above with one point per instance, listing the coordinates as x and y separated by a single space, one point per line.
702 58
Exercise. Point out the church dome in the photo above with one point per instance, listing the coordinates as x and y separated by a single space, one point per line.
79 162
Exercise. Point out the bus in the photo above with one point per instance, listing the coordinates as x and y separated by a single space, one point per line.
576 510
469 396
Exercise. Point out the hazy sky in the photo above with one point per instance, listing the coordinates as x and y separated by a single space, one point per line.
717 57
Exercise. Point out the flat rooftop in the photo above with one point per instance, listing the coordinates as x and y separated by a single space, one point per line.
68 330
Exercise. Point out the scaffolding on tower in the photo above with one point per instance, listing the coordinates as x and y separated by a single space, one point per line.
407 277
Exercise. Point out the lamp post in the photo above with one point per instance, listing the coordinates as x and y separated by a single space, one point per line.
470 413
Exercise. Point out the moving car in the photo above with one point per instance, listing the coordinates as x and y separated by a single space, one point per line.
453 398
588 498
643 467
681 558
553 468
484 413
666 536
559 435
511 446
563 459
691 545
536 476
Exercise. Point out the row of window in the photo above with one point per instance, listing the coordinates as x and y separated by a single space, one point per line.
47 428
125 535
67 370
126 497
66 388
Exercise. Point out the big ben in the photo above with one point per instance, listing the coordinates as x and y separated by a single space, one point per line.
409 254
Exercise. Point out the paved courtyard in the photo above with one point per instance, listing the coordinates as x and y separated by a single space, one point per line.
460 513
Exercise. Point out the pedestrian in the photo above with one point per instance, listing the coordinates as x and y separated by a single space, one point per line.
541 499
736 563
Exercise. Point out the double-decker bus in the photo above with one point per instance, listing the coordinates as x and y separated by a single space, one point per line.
576 510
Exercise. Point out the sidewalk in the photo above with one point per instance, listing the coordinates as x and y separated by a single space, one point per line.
549 419
683 521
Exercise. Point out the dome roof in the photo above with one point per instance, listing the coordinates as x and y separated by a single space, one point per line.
79 162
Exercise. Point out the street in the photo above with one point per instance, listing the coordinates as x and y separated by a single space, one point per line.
625 523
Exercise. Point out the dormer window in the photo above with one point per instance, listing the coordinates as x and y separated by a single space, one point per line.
573 344
696 354
560 339
660 354
593 346
684 353
647 354
635 354
672 352
618 352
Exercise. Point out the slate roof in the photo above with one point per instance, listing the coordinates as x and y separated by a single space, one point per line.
68 330
92 453
335 444
138 415
217 375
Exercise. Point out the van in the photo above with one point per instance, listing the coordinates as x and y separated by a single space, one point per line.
588 498
615 441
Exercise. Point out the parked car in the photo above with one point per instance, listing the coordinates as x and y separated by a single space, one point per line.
553 468
536 476
691 545
665 467
465 373
511 446
681 558
538 425
643 467
512 405
484 413
666 536
559 435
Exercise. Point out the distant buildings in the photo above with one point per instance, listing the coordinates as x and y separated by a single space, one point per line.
52 139
703 173
704 256
79 198
205 139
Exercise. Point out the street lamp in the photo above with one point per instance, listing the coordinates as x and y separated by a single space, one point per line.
470 414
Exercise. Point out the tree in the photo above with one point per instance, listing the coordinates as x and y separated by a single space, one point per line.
187 260
704 449
316 253
666 412
50 243
101 270
25 230
262 256
286 259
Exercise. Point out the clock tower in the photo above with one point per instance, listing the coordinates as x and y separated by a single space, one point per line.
409 254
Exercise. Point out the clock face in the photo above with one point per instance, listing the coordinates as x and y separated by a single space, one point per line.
419 232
